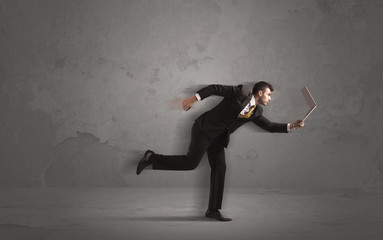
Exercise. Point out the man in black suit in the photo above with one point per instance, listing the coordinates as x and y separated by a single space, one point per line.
211 132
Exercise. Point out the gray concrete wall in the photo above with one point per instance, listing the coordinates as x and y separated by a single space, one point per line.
88 86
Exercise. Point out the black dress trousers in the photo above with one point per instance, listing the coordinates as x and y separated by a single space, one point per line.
199 144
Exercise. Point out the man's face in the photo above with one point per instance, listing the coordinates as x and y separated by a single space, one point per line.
265 97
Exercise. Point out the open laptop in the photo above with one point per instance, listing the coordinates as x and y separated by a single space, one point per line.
310 101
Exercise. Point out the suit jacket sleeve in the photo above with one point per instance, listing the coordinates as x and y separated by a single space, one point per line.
220 90
270 126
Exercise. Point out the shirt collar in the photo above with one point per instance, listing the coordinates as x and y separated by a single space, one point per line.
252 101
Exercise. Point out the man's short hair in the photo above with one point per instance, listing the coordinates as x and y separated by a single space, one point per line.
262 86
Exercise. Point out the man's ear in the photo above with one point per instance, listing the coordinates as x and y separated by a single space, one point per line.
260 93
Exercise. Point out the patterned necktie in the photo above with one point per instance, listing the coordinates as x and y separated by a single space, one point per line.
247 115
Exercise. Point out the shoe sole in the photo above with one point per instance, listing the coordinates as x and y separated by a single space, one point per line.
213 218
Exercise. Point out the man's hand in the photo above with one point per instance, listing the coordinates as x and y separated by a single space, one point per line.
298 124
188 103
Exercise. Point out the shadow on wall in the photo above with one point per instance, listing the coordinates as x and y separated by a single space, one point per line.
83 161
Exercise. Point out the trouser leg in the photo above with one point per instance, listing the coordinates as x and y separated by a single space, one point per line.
216 156
199 143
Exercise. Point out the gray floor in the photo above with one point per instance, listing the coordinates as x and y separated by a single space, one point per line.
177 213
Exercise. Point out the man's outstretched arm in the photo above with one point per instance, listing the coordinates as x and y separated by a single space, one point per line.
219 90
213 89
277 127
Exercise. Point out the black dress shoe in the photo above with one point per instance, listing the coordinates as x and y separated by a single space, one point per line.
144 162
216 215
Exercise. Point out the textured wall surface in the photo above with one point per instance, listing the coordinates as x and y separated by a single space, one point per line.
87 86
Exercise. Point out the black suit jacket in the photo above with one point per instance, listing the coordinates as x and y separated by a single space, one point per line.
222 120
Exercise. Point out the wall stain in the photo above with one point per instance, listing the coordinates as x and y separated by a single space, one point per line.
84 161
131 75
151 91
155 77
326 6
60 63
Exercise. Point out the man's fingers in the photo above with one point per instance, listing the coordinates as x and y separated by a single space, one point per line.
186 106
